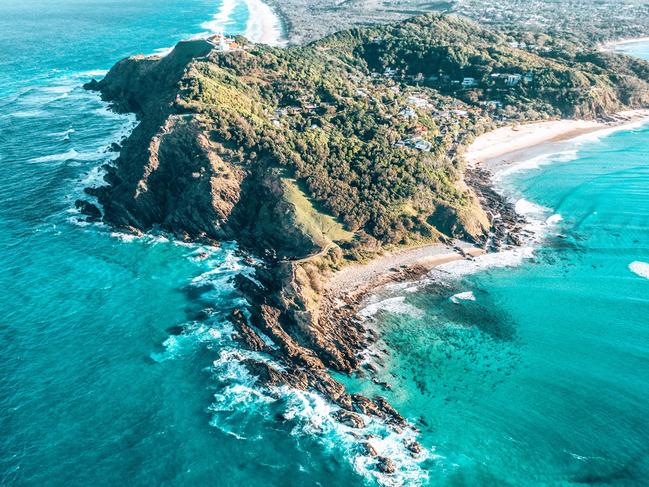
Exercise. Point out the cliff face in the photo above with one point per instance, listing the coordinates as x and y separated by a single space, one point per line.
176 173
310 156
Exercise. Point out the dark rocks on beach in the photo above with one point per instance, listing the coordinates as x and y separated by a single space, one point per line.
190 184
387 410
245 333
265 373
506 223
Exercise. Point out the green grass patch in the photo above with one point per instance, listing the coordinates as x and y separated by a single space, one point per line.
322 227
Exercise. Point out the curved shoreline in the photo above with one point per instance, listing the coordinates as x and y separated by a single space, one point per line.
523 142
612 45
264 24
494 150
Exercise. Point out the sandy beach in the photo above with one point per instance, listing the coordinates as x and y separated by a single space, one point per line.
264 25
611 46
519 138
354 281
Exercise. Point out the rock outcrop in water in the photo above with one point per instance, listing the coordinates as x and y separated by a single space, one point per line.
312 156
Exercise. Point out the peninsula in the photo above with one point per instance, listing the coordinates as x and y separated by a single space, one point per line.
319 156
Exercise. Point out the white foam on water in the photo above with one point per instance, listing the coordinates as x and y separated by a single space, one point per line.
94 178
222 19
640 268
92 74
537 162
125 237
65 133
70 155
263 24
465 296
240 399
163 51
222 269
396 305
529 209
156 239
239 394
176 346
28 114
554 219
315 416
312 416
405 287
507 258
600 134
60 90
36 97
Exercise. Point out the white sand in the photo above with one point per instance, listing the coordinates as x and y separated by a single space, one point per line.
512 139
264 25
359 278
355 280
610 46
507 140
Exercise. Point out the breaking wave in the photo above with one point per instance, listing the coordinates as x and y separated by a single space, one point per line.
395 305
640 268
240 399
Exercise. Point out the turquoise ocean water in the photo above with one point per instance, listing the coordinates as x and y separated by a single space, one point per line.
538 374
542 379
95 387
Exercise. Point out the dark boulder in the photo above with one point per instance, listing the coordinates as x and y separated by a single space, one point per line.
86 208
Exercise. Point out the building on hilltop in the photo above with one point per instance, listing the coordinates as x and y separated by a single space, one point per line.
221 42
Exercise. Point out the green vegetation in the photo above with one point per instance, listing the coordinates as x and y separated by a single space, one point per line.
323 227
369 124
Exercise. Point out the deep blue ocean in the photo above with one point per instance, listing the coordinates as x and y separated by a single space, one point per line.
531 374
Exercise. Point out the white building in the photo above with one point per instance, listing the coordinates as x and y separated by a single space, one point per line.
513 79
469 82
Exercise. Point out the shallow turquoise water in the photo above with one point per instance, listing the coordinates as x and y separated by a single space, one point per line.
543 380
638 49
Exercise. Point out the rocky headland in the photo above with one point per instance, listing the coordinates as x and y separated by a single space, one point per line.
316 157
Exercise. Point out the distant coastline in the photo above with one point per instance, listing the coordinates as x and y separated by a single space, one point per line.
613 45
264 25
